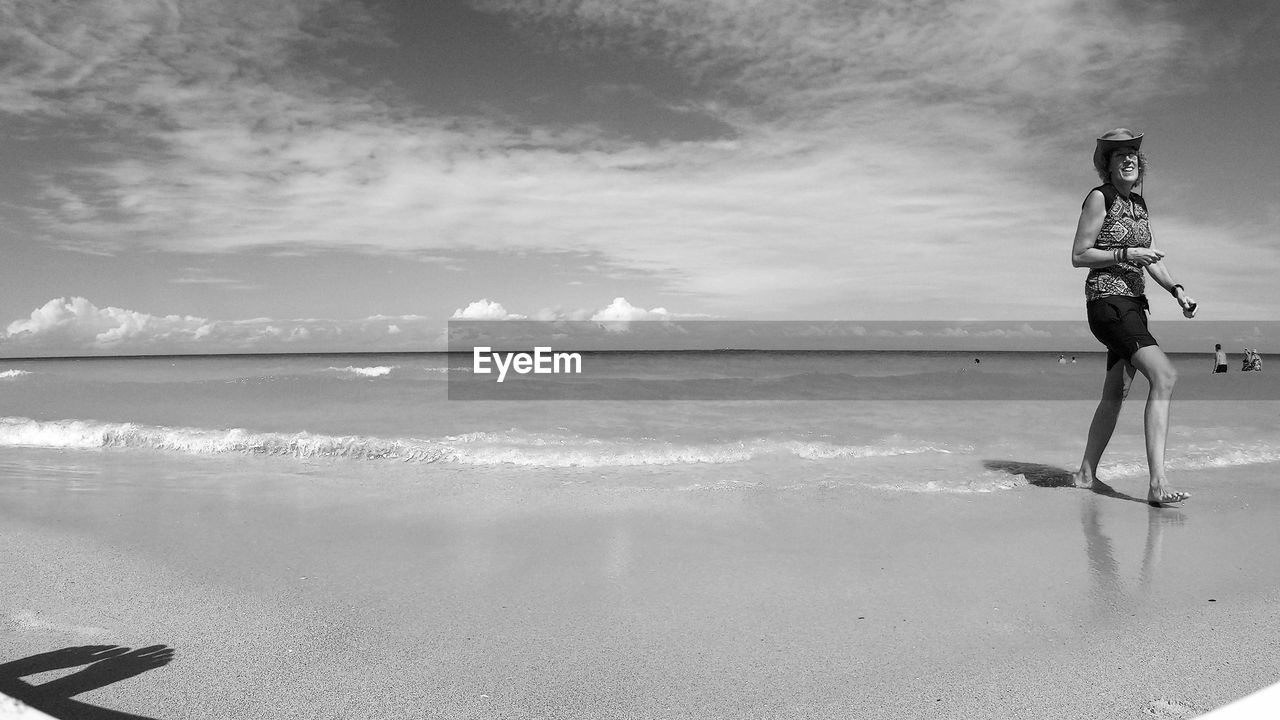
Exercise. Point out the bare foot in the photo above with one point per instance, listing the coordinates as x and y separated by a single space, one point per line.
1160 498
1079 480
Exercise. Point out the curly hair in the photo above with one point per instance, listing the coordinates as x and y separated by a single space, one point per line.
1104 172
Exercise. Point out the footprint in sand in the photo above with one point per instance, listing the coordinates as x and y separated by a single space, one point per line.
1171 710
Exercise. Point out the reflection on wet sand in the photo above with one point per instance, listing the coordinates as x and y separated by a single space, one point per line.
1107 589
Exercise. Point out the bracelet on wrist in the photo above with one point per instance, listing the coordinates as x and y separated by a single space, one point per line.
1174 290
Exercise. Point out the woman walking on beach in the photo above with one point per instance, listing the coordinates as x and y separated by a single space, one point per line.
1113 239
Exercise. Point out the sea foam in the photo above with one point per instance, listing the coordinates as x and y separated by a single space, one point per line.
520 448
1226 456
516 448
378 371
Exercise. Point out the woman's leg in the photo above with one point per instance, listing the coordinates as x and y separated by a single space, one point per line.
1114 390
1155 366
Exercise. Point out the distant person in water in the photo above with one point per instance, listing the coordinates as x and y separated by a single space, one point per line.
1219 359
1113 240
1246 365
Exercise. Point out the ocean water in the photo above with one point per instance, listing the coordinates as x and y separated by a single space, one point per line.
669 422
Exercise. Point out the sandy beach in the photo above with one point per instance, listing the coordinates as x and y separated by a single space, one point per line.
295 595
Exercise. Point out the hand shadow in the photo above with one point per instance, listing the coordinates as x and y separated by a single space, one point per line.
107 671
107 664
1048 476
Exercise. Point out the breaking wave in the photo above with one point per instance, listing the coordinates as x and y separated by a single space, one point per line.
378 371
481 448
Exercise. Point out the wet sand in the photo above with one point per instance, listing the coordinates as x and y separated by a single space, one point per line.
306 596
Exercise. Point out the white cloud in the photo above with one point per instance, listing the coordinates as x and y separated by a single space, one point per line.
621 310
77 321
75 326
1024 330
484 309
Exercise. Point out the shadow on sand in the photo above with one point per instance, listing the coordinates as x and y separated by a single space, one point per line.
106 664
1048 476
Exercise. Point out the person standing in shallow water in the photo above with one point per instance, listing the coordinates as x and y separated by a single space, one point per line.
1219 359
1113 240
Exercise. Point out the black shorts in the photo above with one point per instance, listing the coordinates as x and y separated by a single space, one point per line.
1220 369
1120 323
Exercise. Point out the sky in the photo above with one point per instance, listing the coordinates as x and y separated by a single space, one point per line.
215 176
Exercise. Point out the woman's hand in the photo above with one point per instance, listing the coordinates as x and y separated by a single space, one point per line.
1188 305
1143 257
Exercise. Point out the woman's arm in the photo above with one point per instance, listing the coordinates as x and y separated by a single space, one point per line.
1083 253
1160 274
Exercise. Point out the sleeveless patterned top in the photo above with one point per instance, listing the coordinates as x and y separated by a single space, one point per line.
1125 225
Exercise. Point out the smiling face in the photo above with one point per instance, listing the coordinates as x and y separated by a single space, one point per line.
1125 165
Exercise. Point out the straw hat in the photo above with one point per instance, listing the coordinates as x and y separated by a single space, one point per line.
1111 140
